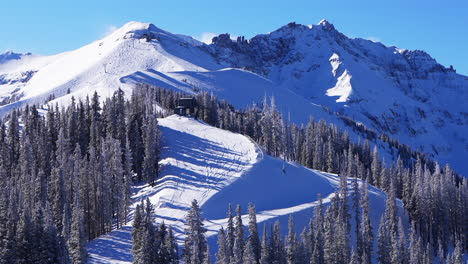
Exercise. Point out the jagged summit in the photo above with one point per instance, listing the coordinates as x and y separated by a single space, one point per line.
135 29
326 25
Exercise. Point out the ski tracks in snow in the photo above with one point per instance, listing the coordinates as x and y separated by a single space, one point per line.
197 161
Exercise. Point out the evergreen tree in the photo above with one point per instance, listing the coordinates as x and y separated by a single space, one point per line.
77 241
172 249
222 256
195 243
277 251
291 243
367 236
237 253
317 253
253 233
458 255
354 258
239 232
249 254
383 242
151 141
230 231
357 218
265 252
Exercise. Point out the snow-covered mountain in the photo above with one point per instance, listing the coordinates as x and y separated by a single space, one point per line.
10 55
218 167
311 70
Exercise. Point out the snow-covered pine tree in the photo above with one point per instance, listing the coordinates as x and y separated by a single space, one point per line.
237 253
239 231
207 256
230 231
172 248
367 235
375 168
222 256
317 253
253 237
384 247
151 149
458 255
357 216
330 240
277 250
77 241
265 252
195 242
249 254
354 258
291 243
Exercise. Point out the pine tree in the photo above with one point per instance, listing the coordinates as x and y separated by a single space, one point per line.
206 256
77 241
354 258
222 256
330 243
151 141
384 243
265 252
24 239
277 251
143 235
367 236
415 248
376 168
318 254
357 217
230 231
237 253
291 243
195 243
253 237
171 247
249 254
239 232
458 255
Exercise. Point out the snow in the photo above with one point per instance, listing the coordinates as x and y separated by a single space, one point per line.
218 167
310 70
100 65
11 56
342 88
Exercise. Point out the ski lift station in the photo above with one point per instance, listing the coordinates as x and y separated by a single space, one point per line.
186 106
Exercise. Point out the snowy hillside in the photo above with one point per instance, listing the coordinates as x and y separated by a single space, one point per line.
218 167
311 70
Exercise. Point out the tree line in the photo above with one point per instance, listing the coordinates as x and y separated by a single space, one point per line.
435 197
66 174
327 238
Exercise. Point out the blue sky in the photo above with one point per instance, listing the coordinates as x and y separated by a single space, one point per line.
49 27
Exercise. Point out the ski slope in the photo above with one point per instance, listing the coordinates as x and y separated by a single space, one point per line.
218 167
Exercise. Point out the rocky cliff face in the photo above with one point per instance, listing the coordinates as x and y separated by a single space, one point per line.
403 93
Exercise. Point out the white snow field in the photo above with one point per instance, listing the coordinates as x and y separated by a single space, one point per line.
218 167
311 70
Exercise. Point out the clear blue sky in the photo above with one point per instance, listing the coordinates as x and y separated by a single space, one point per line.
49 27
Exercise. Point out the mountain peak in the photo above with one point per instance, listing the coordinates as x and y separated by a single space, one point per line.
326 25
11 55
136 29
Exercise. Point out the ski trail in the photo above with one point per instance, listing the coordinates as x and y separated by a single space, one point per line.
218 168
197 161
